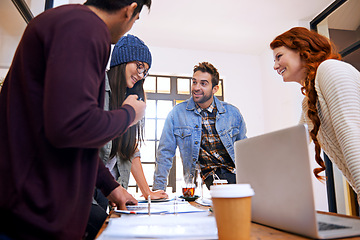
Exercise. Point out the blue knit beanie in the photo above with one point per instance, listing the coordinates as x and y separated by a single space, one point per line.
128 49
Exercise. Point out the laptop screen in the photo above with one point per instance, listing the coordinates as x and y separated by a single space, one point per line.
277 166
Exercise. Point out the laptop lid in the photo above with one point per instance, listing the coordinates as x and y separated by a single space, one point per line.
277 166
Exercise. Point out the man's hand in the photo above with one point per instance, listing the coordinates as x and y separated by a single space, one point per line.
138 105
119 197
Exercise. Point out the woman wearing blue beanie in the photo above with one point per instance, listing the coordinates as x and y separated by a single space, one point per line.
129 66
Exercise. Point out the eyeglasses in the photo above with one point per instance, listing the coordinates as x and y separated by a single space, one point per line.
140 67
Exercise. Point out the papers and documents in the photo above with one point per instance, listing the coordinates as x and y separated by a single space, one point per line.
154 200
204 201
170 207
169 226
175 219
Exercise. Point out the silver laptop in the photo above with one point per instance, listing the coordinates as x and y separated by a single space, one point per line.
277 166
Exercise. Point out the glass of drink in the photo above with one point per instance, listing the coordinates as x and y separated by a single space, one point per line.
188 190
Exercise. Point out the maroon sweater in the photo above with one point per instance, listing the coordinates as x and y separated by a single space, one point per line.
52 124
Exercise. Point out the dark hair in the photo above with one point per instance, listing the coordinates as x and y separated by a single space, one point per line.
209 68
313 49
114 5
125 145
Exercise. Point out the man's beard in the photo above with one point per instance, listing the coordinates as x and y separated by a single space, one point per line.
202 99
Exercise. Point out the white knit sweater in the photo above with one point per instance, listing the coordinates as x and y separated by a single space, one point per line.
338 87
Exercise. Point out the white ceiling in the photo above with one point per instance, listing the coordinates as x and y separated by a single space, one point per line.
235 26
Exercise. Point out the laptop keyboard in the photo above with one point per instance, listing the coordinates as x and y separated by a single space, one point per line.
328 226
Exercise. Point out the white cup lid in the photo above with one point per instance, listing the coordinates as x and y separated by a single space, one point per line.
220 181
231 191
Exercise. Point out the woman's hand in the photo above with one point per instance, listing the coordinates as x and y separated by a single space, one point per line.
158 194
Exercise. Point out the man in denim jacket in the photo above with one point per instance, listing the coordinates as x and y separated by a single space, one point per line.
205 129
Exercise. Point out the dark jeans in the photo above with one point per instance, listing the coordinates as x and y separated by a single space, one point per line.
97 215
222 173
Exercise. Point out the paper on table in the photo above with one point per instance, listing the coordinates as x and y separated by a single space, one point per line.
182 207
154 200
164 207
190 226
141 211
204 201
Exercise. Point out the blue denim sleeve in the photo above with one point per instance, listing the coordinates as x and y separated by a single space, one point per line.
243 130
165 154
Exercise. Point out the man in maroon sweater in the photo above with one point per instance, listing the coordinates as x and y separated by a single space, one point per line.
52 121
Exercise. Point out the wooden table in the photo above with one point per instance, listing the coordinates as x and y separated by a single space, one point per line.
258 231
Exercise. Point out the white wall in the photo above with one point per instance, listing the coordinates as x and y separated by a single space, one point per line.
10 32
282 101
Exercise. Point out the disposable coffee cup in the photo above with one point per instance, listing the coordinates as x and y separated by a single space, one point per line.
232 209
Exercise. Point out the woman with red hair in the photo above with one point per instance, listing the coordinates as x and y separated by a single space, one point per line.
331 106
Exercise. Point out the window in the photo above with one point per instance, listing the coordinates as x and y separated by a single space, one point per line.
163 93
341 23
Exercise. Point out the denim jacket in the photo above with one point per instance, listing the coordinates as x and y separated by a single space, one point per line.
183 129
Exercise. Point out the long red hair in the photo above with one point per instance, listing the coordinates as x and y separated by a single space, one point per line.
313 49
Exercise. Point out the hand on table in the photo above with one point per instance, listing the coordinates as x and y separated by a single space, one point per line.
157 194
119 198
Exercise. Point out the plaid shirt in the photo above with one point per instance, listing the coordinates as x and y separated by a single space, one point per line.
212 151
